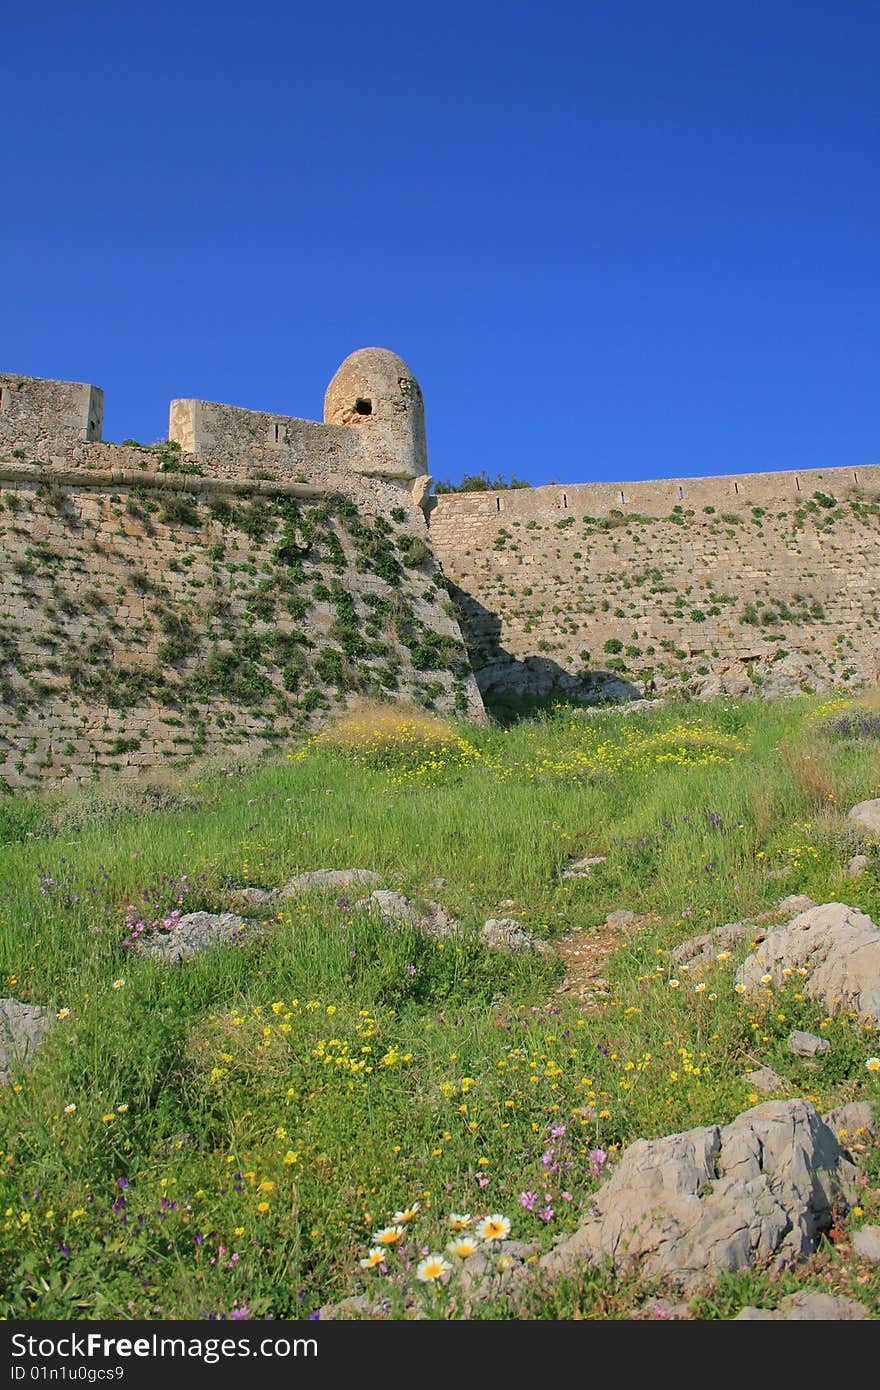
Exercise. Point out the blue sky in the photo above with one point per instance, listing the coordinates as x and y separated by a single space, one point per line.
614 239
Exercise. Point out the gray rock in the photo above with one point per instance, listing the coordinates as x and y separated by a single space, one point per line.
23 1028
784 871
581 868
764 1080
840 948
688 1206
425 916
807 1044
506 934
851 1121
328 879
866 1243
867 815
794 903
807 1307
857 866
621 919
705 948
707 687
196 932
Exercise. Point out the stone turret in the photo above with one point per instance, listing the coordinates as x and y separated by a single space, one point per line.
46 417
375 393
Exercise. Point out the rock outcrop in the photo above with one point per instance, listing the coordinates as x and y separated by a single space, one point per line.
23 1028
686 1207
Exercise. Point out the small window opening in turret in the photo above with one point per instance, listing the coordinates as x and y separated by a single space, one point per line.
363 407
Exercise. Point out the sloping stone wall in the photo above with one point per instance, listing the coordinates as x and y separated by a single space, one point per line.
148 614
765 582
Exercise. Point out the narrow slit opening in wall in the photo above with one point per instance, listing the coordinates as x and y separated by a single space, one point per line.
797 483
681 494
736 488
855 475
498 504
277 433
623 497
564 500
363 407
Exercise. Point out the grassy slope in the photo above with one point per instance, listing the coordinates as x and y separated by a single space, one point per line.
270 1106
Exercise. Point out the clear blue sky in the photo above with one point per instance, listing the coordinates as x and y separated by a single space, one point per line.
613 239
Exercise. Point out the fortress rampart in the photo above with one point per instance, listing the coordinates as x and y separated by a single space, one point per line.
755 582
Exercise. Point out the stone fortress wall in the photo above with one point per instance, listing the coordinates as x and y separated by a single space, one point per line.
227 587
240 580
756 582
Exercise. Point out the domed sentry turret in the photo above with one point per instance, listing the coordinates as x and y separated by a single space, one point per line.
375 392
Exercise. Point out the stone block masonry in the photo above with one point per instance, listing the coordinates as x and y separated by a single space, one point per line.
755 583
158 603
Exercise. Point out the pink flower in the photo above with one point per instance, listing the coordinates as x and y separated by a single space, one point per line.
528 1200
546 1213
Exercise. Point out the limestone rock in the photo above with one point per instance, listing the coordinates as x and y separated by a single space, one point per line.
22 1029
764 1080
621 920
807 1307
705 948
426 916
794 903
506 934
867 815
196 932
839 946
689 1206
328 879
857 866
807 1044
581 868
849 1121
866 1243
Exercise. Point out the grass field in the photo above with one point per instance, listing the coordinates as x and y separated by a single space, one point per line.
230 1137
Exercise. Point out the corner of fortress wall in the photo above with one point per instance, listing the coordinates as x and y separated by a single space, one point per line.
201 585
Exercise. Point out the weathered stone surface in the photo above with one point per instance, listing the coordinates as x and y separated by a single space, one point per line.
840 948
22 1029
807 1307
866 1243
794 903
621 920
426 916
506 934
581 868
802 1044
328 879
688 1206
867 815
852 1120
857 866
764 1080
197 931
704 949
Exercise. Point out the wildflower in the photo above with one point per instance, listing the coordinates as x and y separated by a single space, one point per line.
262 1206
62 1013
70 1109
389 1235
122 1109
700 988
597 1159
402 1217
463 1246
458 1221
546 1213
873 1064
290 1157
495 1227
527 1200
375 1257
739 989
108 1118
712 997
432 1268
118 984
674 984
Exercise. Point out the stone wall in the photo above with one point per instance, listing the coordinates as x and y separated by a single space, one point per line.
45 417
756 582
149 614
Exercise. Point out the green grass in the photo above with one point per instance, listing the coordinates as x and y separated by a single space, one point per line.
256 1114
